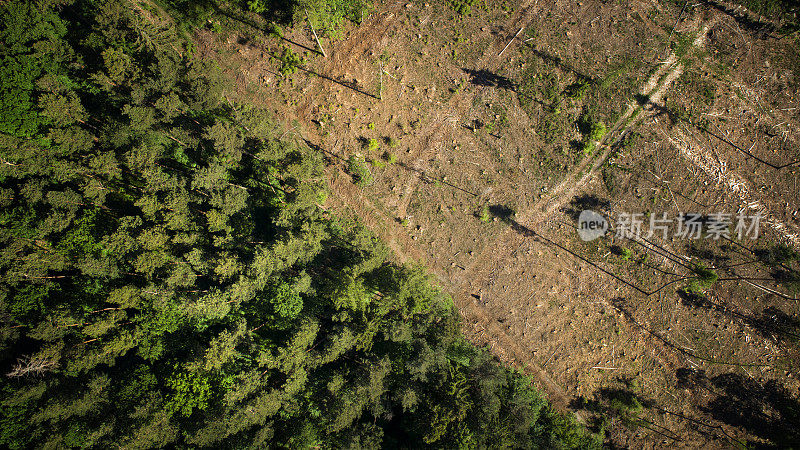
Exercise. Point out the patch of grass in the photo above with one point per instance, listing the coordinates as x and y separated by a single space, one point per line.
622 403
540 88
682 45
371 144
629 140
693 84
606 82
376 162
462 7
578 90
390 158
623 252
598 131
609 179
484 214
531 32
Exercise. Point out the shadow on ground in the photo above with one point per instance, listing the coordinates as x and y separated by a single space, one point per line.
767 411
487 78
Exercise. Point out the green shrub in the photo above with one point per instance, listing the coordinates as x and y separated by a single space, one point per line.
289 61
578 90
390 158
705 276
371 144
484 215
359 170
623 252
462 7
377 163
327 16
597 132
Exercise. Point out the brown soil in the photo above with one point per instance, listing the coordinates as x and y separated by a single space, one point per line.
571 313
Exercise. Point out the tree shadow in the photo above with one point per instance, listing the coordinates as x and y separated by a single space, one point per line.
566 67
348 84
645 102
487 78
747 152
777 254
674 118
327 155
620 403
268 29
692 378
503 212
756 28
506 215
791 278
694 250
620 304
341 82
279 11
770 323
766 410
695 300
784 264
584 202
424 177
777 325
576 145
330 156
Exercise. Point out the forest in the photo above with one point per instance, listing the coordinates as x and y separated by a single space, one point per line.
171 276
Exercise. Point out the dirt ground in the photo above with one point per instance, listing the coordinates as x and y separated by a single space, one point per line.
486 116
